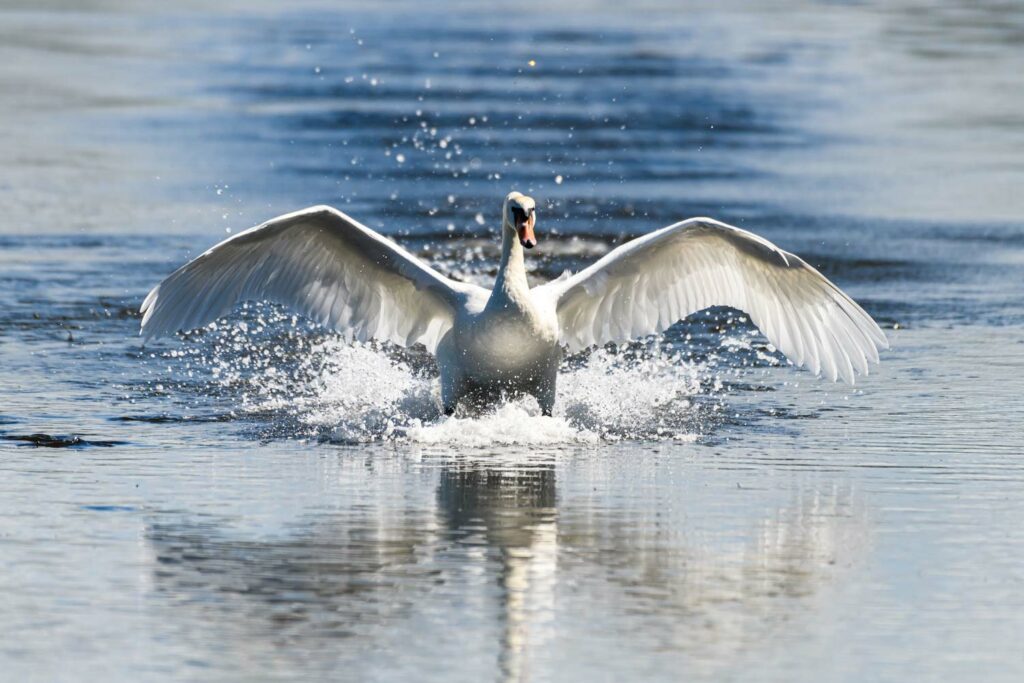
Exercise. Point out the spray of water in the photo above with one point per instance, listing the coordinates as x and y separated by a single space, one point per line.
293 380
360 392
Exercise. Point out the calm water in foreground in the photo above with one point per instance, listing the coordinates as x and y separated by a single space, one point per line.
262 501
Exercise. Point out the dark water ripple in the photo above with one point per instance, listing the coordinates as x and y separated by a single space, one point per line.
58 441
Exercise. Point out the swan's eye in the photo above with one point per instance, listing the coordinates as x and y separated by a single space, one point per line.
518 213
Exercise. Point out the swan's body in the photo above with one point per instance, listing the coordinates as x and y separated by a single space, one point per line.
509 340
510 345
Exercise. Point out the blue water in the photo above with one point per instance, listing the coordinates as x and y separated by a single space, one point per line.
262 501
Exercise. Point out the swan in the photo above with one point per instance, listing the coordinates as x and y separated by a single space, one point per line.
510 340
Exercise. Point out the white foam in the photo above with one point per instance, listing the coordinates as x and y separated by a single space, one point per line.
517 423
358 393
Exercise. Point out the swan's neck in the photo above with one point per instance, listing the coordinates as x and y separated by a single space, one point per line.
511 287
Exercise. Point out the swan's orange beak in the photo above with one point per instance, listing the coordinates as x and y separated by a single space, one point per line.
525 230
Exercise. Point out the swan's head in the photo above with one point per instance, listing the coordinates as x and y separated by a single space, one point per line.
520 214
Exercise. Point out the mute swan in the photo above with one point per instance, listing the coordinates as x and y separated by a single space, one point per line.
509 339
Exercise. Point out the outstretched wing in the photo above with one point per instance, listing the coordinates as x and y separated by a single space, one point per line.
650 283
324 265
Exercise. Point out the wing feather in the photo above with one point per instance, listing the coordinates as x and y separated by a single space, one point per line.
324 265
646 285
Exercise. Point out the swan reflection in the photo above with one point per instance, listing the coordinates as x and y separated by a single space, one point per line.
513 551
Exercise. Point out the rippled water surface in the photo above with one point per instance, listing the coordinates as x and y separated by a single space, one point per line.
260 500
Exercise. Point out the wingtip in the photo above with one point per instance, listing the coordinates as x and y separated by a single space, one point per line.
150 299
849 380
147 332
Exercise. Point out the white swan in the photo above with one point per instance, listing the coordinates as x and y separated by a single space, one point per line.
510 339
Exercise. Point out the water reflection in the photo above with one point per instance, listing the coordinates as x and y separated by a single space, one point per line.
320 581
513 511
516 548
713 594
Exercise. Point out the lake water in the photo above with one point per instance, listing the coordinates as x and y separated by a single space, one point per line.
262 501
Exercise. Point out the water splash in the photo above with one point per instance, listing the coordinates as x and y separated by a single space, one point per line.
514 423
353 393
349 393
290 379
634 392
